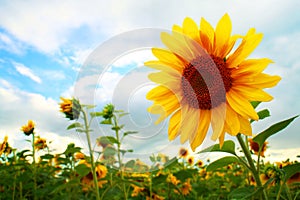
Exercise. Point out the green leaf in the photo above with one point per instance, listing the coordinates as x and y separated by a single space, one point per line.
109 151
88 106
228 147
130 132
95 114
182 175
222 162
130 164
242 193
255 103
262 114
171 162
106 121
112 139
74 125
263 136
291 170
82 169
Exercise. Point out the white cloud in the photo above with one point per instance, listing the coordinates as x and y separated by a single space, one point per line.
19 106
8 44
25 71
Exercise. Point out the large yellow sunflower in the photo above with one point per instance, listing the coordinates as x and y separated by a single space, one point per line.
205 81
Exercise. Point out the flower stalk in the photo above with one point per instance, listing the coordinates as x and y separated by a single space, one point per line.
93 168
255 173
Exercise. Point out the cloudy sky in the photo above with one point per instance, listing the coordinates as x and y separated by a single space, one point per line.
95 50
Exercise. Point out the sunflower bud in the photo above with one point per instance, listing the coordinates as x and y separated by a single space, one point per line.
70 107
29 128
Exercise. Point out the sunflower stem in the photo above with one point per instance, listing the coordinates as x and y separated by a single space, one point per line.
87 132
33 165
116 128
251 164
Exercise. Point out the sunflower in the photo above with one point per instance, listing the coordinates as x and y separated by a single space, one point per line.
70 107
255 147
40 143
204 81
29 128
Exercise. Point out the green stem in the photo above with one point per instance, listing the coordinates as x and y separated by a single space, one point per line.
119 154
34 167
251 164
87 132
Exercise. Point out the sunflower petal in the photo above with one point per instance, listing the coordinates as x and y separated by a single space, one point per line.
205 118
251 66
241 105
174 125
222 36
232 121
249 43
218 120
177 45
246 128
253 94
167 56
207 35
190 121
191 29
167 67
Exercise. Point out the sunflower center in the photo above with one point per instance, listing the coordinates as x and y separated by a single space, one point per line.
205 82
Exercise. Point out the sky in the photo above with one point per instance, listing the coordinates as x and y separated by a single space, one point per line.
95 50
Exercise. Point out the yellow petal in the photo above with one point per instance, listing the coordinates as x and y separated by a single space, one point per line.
174 125
265 81
166 56
205 117
240 105
252 94
158 92
222 36
232 121
177 46
190 122
251 66
191 29
163 77
207 35
221 139
249 43
167 67
177 28
246 128
218 116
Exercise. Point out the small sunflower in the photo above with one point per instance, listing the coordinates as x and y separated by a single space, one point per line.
29 128
3 145
255 147
183 152
205 82
40 143
70 107
186 187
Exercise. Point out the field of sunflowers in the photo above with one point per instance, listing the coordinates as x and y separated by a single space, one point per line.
202 83
73 175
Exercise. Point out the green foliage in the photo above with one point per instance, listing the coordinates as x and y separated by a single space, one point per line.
263 136
228 147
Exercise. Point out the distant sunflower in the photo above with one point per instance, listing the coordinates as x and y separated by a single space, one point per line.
204 82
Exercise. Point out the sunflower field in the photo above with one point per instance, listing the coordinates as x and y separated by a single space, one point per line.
73 175
204 80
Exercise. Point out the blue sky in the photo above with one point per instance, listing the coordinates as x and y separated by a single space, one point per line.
47 51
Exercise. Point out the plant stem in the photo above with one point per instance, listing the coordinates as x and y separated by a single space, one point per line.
87 132
119 154
251 164
34 169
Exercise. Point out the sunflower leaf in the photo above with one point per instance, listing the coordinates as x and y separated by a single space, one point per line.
74 125
255 103
222 162
228 147
263 136
291 170
262 114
